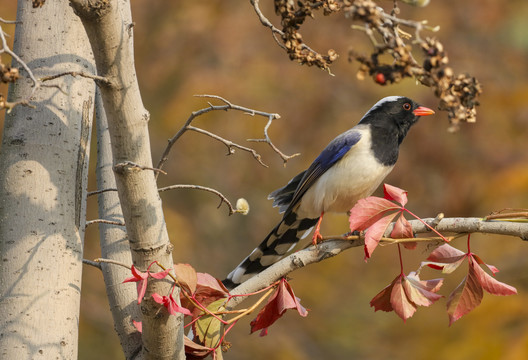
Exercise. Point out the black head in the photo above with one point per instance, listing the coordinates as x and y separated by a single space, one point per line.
390 119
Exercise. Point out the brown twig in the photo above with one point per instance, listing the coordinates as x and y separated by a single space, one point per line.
96 78
103 221
131 166
230 145
97 192
223 199
36 84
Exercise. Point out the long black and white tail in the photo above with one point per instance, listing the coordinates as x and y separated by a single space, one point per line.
279 242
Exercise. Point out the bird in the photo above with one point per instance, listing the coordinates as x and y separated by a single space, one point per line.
349 168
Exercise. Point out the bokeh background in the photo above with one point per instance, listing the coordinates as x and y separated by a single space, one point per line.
219 47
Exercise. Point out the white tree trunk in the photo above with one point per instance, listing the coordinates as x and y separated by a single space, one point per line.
114 245
110 37
43 175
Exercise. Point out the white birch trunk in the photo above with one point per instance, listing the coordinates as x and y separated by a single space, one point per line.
43 175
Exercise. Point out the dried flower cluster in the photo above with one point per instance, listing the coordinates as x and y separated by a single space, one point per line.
8 74
292 17
457 93
38 3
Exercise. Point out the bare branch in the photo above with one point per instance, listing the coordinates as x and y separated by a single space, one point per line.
96 78
4 21
223 199
92 263
97 192
473 225
230 145
103 221
267 139
13 76
332 247
111 261
129 166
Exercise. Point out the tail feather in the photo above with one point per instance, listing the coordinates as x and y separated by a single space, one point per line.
281 240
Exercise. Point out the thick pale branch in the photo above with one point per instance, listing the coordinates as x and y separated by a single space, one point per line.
330 248
473 225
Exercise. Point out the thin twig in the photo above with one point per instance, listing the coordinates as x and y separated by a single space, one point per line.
516 215
96 78
223 199
103 221
95 264
36 84
252 308
114 262
131 166
229 144
4 21
97 192
267 139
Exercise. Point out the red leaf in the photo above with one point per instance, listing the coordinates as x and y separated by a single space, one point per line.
445 258
138 325
209 289
375 232
395 194
367 211
172 306
194 350
382 300
492 268
445 253
399 300
141 279
405 293
488 283
411 245
402 228
281 300
432 285
465 297
186 276
207 282
159 275
421 292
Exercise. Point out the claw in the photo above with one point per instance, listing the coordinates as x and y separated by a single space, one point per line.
317 237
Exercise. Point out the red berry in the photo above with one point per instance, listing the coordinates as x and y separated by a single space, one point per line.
380 78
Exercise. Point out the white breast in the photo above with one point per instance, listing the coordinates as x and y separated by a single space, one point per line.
355 176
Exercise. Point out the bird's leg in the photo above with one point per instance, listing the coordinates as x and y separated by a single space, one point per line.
317 234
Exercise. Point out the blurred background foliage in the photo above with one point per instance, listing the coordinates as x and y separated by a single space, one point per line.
219 47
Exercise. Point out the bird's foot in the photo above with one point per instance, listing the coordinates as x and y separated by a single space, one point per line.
317 237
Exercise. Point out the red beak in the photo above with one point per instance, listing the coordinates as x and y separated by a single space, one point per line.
422 111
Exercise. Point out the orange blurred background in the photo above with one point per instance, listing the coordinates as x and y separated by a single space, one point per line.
219 47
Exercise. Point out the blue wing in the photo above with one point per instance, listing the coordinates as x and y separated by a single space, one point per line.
333 152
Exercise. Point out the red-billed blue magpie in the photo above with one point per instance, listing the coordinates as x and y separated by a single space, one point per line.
350 168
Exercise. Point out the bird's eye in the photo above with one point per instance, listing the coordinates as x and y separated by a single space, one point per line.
407 106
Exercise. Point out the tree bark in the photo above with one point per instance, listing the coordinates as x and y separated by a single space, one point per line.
110 37
43 176
114 245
